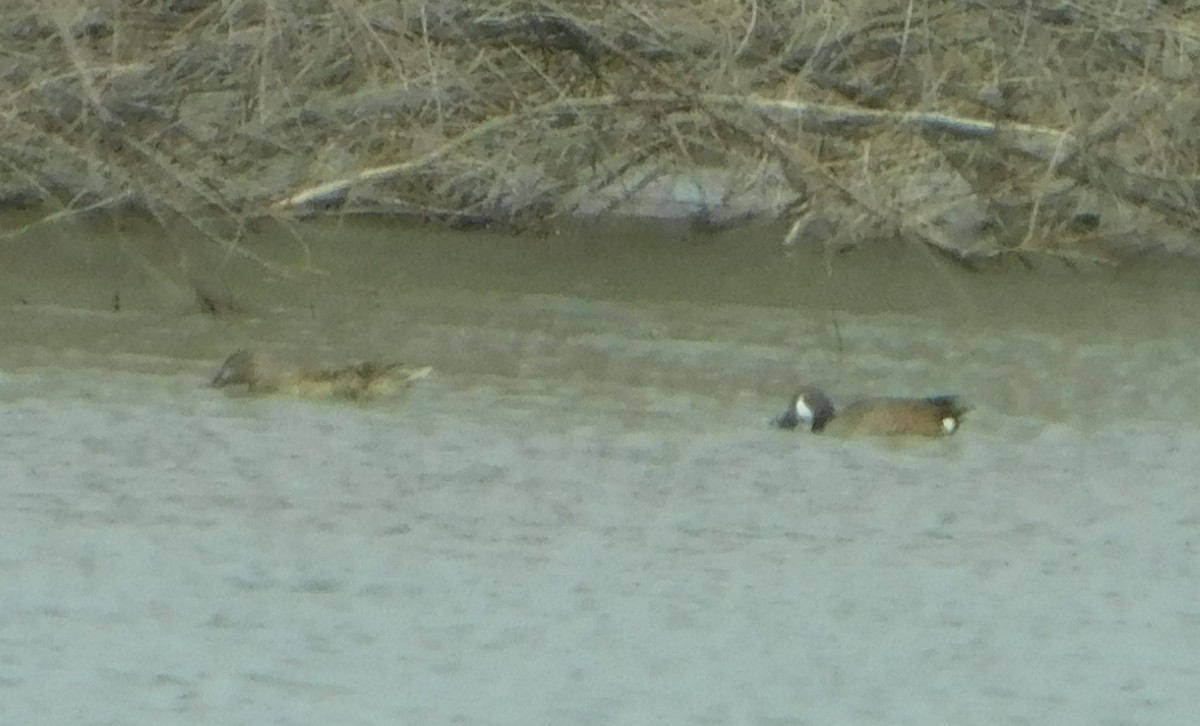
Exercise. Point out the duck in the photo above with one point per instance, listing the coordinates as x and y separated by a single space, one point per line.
358 381
811 408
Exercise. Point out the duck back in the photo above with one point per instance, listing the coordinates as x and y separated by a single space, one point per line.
933 416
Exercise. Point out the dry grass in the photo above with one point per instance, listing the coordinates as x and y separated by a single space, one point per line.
983 128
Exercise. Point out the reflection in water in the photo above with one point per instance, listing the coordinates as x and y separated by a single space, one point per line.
584 510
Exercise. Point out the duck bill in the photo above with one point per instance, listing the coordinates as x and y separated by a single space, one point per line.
789 419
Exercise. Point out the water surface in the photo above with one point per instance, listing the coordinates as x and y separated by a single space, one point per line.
582 517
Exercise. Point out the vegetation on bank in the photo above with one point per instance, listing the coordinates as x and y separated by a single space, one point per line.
980 127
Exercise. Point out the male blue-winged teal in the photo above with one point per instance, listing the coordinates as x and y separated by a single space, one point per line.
932 416
357 381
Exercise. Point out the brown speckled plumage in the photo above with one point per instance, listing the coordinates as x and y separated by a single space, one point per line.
247 370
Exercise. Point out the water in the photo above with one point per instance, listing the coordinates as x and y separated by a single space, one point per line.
582 517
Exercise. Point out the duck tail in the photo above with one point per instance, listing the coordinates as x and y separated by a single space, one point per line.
371 370
412 374
396 368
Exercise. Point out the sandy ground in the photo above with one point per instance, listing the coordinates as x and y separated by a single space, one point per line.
588 522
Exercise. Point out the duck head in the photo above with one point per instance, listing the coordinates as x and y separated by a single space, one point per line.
810 408
240 368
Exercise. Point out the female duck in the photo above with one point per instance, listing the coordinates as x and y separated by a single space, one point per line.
932 416
356 382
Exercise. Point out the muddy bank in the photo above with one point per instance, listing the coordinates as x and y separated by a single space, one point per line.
977 129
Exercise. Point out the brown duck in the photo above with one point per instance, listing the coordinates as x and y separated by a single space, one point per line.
931 416
356 382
